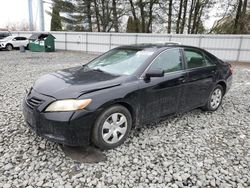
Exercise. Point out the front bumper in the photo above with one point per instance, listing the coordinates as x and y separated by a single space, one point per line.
68 128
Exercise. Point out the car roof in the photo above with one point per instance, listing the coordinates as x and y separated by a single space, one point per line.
157 46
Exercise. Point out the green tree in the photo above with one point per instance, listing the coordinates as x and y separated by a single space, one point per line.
56 24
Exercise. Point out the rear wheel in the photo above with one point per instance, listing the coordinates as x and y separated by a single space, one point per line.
112 127
215 99
9 47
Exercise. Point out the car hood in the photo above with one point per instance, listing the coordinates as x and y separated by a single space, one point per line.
3 40
73 82
6 39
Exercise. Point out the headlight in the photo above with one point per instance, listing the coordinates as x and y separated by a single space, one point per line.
68 105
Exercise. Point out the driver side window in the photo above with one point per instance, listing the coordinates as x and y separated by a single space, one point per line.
169 61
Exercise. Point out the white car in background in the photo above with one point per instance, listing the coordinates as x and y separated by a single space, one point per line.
11 42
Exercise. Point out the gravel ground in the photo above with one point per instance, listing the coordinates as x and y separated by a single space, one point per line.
195 149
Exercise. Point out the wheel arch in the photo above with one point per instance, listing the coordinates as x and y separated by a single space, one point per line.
223 85
9 44
125 104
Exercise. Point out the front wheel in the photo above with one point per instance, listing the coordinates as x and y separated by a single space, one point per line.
112 127
215 99
9 47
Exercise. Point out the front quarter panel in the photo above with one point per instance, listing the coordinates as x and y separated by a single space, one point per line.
124 93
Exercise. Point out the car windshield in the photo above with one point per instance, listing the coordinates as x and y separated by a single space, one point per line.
120 61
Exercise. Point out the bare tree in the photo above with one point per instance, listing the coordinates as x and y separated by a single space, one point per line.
134 15
18 26
115 18
179 17
97 15
184 16
170 6
238 15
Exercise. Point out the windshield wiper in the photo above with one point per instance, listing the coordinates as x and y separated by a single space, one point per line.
98 70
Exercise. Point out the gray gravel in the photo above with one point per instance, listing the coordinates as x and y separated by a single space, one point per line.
195 149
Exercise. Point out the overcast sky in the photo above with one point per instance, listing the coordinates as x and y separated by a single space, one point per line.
16 11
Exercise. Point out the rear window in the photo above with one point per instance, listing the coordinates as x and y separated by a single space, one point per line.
196 59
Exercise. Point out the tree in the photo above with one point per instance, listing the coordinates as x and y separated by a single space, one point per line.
143 14
170 15
89 12
243 16
234 19
238 15
115 18
179 17
97 16
151 17
17 26
131 25
136 21
184 16
55 24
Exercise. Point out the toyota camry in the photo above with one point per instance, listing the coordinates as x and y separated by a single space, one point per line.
127 87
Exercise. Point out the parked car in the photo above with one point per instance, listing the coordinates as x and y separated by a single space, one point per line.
4 34
127 87
11 42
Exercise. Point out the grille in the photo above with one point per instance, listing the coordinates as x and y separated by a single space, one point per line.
33 102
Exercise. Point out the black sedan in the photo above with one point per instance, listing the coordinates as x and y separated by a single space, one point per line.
125 88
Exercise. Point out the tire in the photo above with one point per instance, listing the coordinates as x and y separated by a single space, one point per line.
9 47
106 134
215 99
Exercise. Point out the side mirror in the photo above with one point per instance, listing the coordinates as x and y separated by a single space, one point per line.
154 73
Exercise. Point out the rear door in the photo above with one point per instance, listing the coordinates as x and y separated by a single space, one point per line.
23 41
200 81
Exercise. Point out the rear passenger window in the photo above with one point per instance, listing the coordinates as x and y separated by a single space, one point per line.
208 61
169 61
23 38
195 59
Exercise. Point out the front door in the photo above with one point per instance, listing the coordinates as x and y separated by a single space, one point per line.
160 96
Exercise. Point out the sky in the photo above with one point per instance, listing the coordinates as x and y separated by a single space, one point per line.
16 11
